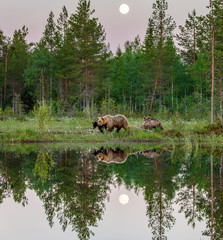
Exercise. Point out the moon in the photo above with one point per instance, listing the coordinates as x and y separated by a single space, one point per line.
123 199
124 9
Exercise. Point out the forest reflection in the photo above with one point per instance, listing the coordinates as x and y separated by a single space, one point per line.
74 185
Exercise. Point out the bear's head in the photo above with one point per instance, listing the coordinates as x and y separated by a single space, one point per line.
147 118
101 121
102 157
95 124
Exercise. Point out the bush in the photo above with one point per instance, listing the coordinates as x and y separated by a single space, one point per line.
43 117
6 114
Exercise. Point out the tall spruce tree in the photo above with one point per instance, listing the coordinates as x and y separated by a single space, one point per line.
37 73
17 63
149 49
188 37
163 28
49 39
218 6
89 37
63 60
213 51
3 66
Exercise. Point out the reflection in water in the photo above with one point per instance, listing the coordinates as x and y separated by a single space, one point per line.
123 199
43 166
75 185
111 156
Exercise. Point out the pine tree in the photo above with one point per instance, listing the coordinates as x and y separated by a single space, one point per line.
188 37
89 37
4 42
63 49
212 61
218 5
214 49
17 61
37 73
163 28
49 39
149 50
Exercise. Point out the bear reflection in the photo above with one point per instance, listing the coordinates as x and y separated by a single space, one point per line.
152 153
111 156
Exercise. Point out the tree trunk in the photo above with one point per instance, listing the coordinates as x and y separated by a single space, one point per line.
87 88
212 57
157 78
51 89
221 177
194 47
172 94
221 101
158 69
80 98
92 99
6 67
6 172
66 88
13 95
212 199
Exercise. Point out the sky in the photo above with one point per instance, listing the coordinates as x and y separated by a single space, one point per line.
118 27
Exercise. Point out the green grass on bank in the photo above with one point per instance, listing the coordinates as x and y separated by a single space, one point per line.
80 130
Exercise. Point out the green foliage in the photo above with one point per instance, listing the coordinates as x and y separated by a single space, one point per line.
43 117
59 107
6 114
44 164
108 107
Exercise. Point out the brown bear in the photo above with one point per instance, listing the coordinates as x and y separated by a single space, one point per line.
152 123
117 121
112 156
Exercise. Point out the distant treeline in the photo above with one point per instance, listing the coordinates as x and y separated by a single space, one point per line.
74 71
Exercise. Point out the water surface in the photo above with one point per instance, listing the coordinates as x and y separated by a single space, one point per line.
171 192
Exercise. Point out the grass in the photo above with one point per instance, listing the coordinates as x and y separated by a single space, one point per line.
80 130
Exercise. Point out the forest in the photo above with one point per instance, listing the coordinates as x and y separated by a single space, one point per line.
73 70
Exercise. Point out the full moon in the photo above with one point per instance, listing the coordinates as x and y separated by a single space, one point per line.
124 9
123 199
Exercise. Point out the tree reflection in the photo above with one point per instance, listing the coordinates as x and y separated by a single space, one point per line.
150 171
160 210
43 166
199 196
73 185
77 198
191 197
12 179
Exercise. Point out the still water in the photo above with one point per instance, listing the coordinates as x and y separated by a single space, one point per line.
112 193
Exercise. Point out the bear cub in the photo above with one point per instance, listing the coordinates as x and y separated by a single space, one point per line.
95 124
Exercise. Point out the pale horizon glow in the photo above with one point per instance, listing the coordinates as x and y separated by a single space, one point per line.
124 9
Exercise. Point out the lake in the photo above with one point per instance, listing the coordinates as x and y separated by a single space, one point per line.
128 191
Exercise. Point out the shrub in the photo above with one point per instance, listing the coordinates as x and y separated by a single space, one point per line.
43 117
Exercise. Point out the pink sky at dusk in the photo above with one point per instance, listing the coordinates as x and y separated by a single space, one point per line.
119 28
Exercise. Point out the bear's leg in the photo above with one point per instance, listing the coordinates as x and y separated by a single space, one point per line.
118 129
101 129
110 129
